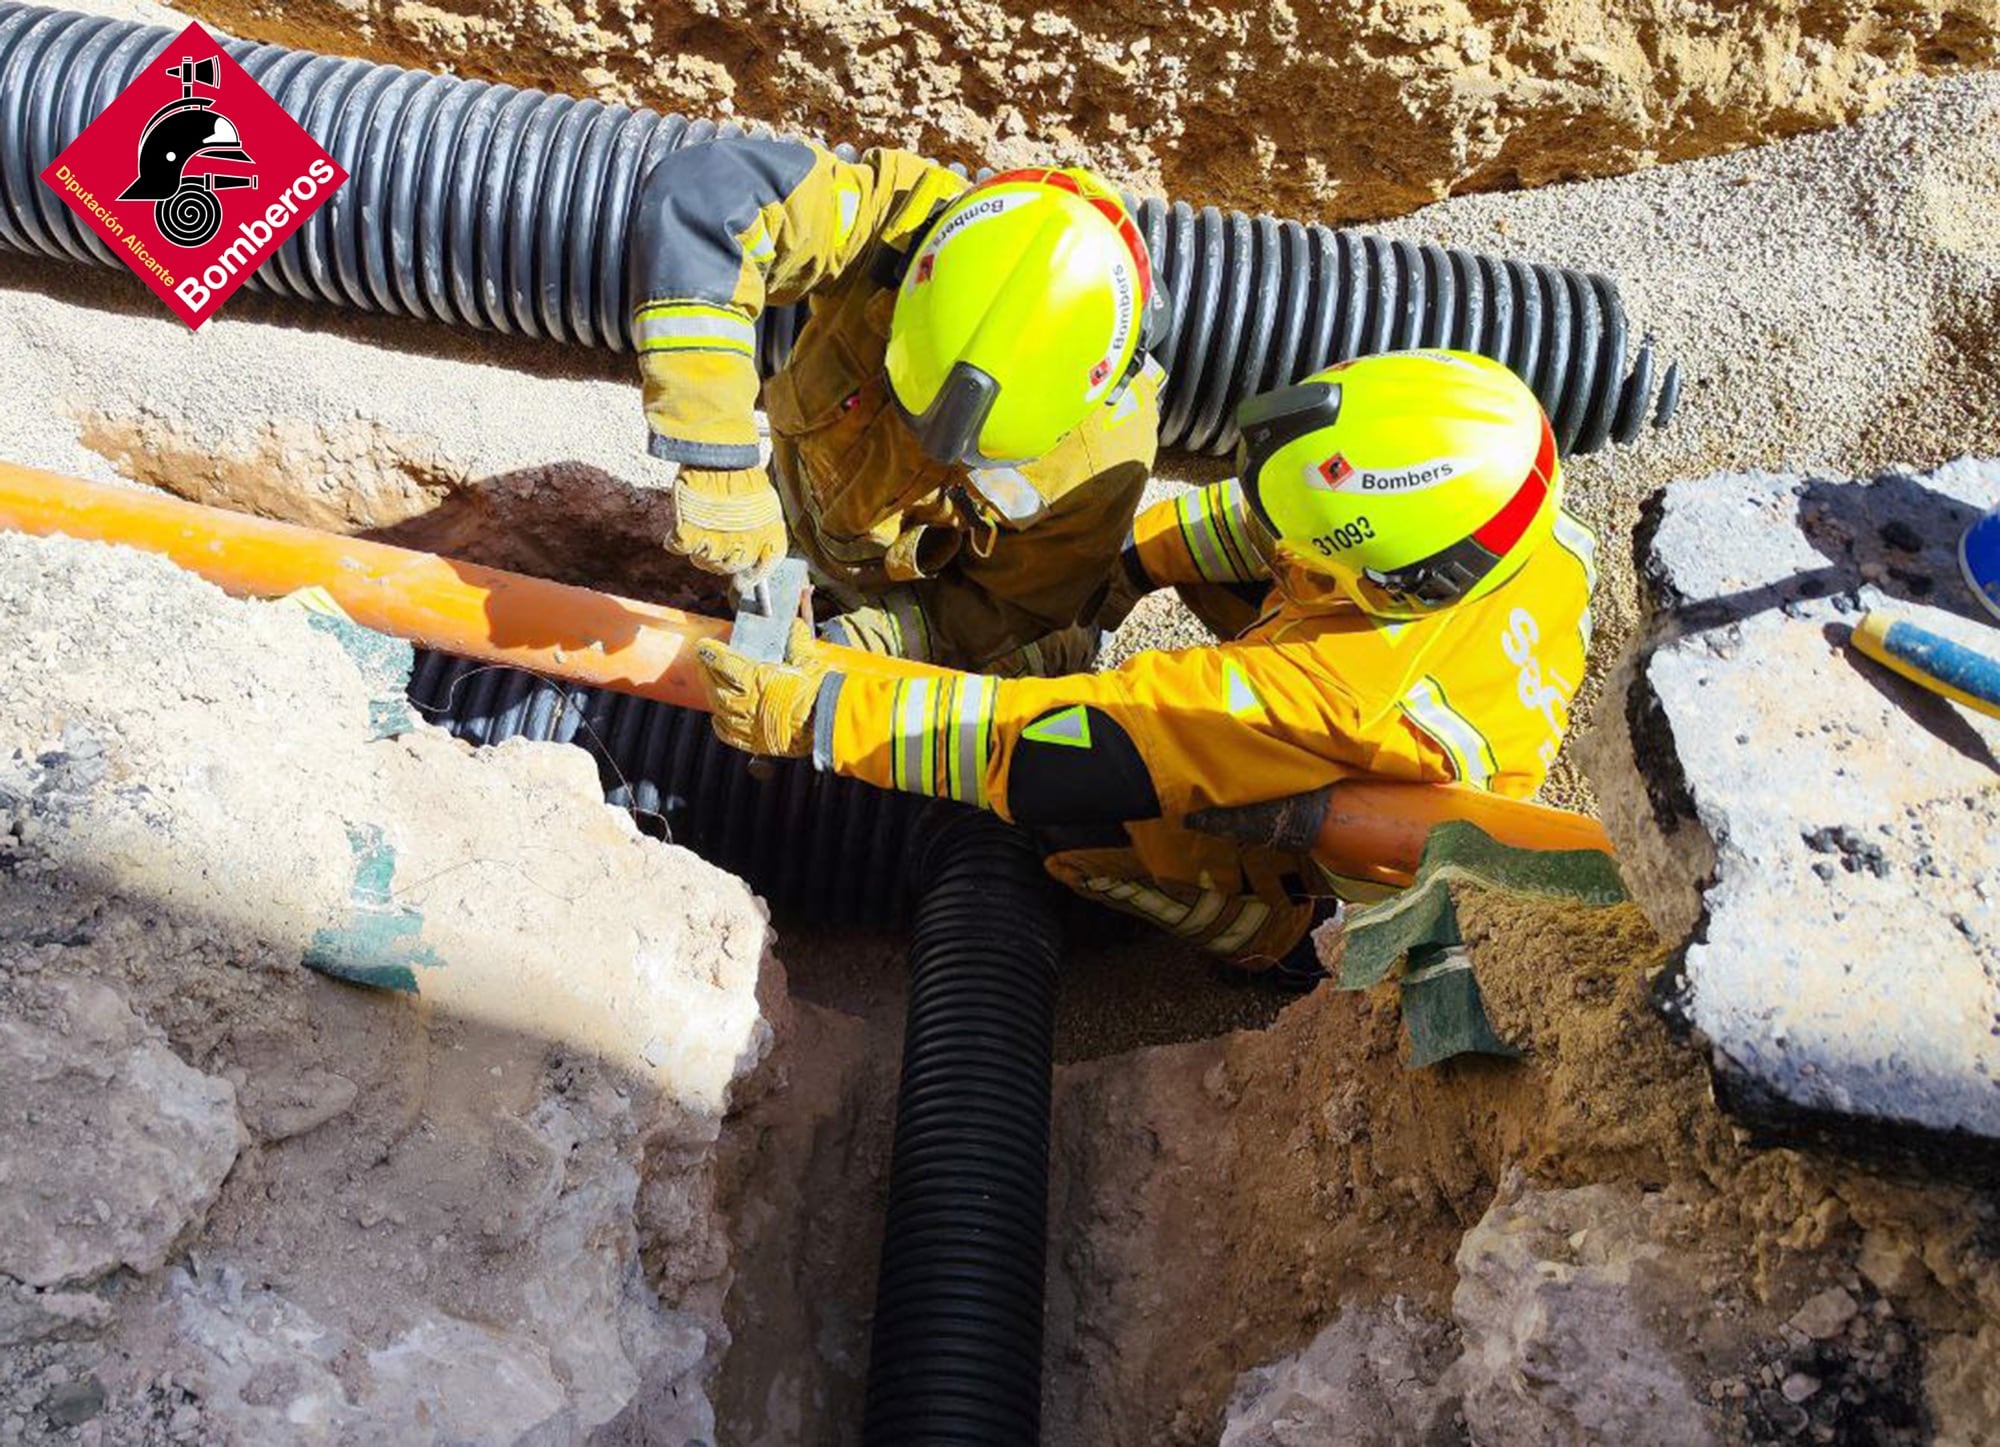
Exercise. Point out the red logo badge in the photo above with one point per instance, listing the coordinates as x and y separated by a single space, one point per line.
1335 472
194 176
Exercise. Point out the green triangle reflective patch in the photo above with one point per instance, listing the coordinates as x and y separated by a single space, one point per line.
1069 728
1239 696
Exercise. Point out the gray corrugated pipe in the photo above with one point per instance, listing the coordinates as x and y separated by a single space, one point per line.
494 207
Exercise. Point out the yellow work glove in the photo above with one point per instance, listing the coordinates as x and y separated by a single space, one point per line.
763 708
727 522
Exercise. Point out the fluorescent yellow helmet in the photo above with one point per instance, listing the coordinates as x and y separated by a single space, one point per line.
1027 301
1413 480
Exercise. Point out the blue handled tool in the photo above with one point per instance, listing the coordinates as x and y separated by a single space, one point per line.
1979 556
1949 669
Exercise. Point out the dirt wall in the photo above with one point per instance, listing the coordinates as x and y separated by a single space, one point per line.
1332 111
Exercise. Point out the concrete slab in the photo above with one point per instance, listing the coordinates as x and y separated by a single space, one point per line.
1821 835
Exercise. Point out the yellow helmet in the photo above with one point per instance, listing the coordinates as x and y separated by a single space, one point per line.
1027 301
1414 480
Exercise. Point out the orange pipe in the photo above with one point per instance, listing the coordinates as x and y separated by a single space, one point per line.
1373 830
571 633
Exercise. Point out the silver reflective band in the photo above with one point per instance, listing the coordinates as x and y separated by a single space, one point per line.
677 329
1426 705
1010 493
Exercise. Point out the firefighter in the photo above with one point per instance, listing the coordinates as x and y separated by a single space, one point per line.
961 433
1425 617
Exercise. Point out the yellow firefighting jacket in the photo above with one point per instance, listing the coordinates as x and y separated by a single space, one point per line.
1313 692
731 226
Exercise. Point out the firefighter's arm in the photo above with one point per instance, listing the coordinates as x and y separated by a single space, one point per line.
721 230
1208 535
1166 735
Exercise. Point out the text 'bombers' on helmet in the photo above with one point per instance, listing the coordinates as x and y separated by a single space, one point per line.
1026 302
1412 480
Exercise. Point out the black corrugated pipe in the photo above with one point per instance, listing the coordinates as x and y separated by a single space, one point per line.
489 206
820 849
957 1351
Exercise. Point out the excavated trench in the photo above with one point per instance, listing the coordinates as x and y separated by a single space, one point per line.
515 217
1217 1197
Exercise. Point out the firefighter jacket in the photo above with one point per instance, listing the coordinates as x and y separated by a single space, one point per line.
1178 748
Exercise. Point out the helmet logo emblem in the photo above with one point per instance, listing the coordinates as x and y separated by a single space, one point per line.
1333 473
184 206
925 266
1337 474
1099 372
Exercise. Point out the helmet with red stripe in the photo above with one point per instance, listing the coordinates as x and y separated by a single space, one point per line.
1414 480
1028 301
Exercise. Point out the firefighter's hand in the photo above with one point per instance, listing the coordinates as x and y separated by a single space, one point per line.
876 630
728 522
764 708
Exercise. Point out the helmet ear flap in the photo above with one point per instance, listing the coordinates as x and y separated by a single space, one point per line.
892 263
1156 329
1268 422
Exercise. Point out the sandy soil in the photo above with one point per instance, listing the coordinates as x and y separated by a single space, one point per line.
1291 1173
1330 111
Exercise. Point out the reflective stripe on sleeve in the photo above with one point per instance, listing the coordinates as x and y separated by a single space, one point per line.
1212 528
1471 756
913 718
941 736
1578 541
847 201
971 728
1251 919
757 241
692 327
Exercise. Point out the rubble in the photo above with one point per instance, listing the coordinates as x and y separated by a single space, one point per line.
116 1146
1573 1312
1368 1379
1815 831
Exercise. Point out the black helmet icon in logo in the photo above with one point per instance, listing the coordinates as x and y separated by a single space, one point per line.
184 206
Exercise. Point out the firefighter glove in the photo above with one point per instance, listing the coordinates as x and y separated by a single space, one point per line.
728 522
764 708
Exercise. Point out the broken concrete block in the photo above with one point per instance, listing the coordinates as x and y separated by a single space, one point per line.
1566 1300
438 1231
115 1148
1370 1377
1817 830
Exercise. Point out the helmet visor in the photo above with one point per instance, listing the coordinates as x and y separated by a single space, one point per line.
1267 423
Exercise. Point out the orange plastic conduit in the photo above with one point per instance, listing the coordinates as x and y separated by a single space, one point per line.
1373 830
575 634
